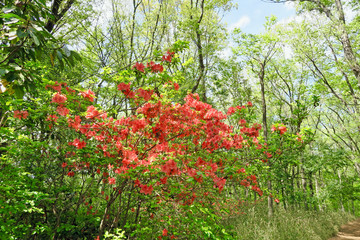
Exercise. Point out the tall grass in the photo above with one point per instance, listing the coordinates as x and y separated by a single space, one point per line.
286 225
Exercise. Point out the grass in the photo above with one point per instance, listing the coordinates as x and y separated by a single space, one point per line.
287 225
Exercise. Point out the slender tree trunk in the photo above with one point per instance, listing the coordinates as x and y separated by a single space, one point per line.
345 41
317 187
283 190
293 184
264 123
311 186
340 200
303 186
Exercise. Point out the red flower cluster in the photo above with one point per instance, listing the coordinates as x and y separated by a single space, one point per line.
139 66
78 144
241 170
282 129
145 94
52 118
170 168
253 131
168 56
111 180
146 189
156 68
59 98
176 86
21 114
125 89
89 95
63 111
92 113
219 183
75 123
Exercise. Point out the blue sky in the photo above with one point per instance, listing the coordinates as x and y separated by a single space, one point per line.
250 14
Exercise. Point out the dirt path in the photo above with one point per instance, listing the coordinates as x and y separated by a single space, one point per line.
350 231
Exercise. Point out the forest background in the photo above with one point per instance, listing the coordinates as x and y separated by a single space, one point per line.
154 119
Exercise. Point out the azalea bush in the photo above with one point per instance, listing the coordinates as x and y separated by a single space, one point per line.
158 167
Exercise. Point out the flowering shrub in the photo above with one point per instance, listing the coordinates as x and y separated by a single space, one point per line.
21 114
157 169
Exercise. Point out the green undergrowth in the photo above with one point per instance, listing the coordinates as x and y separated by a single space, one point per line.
290 224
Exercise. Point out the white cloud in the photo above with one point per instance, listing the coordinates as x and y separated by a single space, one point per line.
241 23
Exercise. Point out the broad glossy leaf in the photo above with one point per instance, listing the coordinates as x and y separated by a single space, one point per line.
34 37
11 15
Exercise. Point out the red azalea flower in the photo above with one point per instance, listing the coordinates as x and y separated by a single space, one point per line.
146 189
63 111
59 98
21 114
111 180
89 95
176 86
124 87
52 118
273 128
139 66
163 180
166 58
282 129
157 68
92 112
242 122
231 110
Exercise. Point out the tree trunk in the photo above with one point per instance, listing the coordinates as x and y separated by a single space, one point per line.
264 123
340 199
317 190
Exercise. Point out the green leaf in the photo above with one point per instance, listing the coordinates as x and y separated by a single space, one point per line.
3 71
13 20
76 55
21 34
8 9
11 15
19 91
59 55
34 37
